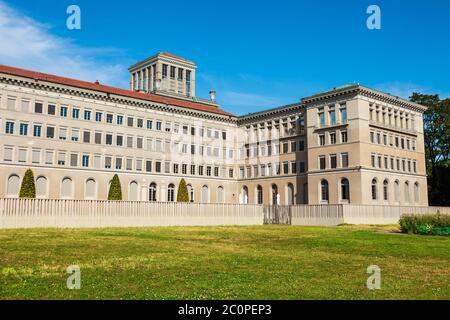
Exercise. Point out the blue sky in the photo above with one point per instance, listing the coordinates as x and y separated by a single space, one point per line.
255 54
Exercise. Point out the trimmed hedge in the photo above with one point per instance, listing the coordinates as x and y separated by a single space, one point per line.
115 190
182 195
437 224
28 188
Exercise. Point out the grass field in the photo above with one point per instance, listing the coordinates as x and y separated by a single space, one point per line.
261 262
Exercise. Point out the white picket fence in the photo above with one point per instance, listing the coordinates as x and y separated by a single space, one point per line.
37 213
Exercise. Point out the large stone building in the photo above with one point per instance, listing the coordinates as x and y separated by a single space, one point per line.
348 145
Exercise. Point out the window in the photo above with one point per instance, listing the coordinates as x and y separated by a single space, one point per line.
75 113
108 161
321 118
344 137
90 189
98 138
302 167
36 156
74 159
344 160
293 167
171 193
148 166
109 118
86 137
158 125
333 138
333 161
48 157
332 117
397 190
343 113
37 130
130 121
373 160
416 192
23 129
109 139
11 104
41 187
152 192
140 123
285 168
38 107
8 154
322 163
406 191
119 140
63 111
324 194
51 109
61 158
9 128
87 115
374 189
259 195
119 120
149 124
98 116
85 161
345 189
158 166
75 134
385 190
372 137
22 155
129 142
50 132
322 139
13 186
119 163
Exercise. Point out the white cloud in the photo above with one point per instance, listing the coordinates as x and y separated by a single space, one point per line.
27 43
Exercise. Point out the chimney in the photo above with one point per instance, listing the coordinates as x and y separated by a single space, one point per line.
212 95
97 82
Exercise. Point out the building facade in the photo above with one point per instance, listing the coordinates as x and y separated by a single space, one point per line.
349 145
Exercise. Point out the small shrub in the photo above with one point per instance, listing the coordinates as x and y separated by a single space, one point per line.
425 223
182 195
115 190
28 188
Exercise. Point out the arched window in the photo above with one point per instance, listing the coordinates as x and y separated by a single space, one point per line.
305 193
259 195
324 192
133 191
220 195
397 190
66 188
406 191
416 192
345 189
205 194
374 189
171 193
152 192
385 190
243 197
290 194
275 195
13 187
41 187
91 189
190 192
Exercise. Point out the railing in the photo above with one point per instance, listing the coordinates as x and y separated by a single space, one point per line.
41 213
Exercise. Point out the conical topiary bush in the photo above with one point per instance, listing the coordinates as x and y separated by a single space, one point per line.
182 195
28 188
115 190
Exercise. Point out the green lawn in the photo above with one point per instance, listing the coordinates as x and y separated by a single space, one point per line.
261 262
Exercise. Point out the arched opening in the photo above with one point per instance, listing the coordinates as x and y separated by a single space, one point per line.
91 189
407 192
259 195
66 188
385 190
345 190
205 194
416 192
324 191
397 190
243 197
13 187
374 189
133 191
171 193
190 189
275 195
220 195
41 187
290 194
152 192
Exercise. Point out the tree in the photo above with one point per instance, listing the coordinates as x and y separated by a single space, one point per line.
436 122
182 195
115 190
28 188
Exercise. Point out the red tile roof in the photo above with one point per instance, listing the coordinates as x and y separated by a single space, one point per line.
112 90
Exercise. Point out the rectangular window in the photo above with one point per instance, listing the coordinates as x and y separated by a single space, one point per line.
149 124
119 141
344 160
109 118
36 156
98 138
108 161
98 116
48 157
86 137
119 163
97 161
139 143
87 115
75 113
119 120
333 161
140 123
38 107
301 145
129 164
109 139
175 168
302 166
343 113
138 165
333 138
322 140
63 111
37 130
158 166
130 121
158 125
50 132
74 159
373 160
11 104
85 161
9 127
148 166
51 109
62 133
7 154
294 167
344 137
129 142
22 155
75 134
322 163
61 158
23 129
